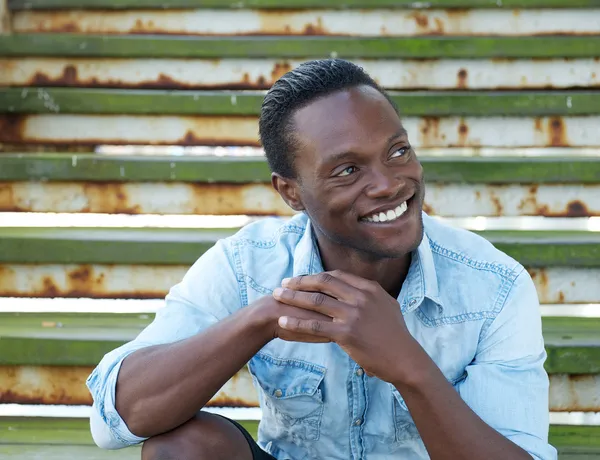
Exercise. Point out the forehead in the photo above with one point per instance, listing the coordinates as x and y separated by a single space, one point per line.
346 120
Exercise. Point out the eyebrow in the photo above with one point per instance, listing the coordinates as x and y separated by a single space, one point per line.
336 157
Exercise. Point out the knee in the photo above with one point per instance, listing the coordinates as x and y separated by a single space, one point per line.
204 437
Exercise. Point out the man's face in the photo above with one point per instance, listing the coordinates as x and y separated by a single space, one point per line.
359 180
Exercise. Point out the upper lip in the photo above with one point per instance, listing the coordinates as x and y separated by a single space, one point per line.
386 207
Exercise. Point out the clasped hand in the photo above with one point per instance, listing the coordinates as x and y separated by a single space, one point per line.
362 318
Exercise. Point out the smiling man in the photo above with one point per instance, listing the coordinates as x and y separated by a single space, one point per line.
371 330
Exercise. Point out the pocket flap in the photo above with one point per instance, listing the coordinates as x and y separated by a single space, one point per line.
285 378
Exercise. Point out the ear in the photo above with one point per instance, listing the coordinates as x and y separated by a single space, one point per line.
289 191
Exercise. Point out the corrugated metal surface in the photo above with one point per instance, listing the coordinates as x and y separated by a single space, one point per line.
262 73
449 200
329 22
209 130
60 385
66 385
554 285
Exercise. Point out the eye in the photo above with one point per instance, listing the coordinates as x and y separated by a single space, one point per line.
347 171
399 152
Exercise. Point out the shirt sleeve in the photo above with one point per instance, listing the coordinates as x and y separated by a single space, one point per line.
506 384
208 293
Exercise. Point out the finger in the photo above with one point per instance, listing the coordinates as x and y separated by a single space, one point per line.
304 338
314 301
309 326
323 282
352 280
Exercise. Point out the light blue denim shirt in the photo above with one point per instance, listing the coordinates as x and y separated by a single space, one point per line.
471 307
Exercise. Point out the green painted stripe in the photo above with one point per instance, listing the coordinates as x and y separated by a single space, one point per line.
164 246
421 103
75 339
153 46
291 4
241 170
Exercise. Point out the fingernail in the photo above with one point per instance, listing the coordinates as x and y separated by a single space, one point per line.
285 281
283 320
277 292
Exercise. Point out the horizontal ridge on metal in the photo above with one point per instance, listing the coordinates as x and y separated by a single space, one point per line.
418 103
165 246
293 4
216 169
155 46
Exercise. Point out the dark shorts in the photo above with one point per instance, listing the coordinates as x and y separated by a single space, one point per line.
257 452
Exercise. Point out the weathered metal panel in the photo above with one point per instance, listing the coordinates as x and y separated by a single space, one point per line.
554 285
66 386
97 281
570 393
220 130
566 285
448 200
262 73
551 200
384 22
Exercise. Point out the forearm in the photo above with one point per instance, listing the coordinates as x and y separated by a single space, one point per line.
449 428
163 386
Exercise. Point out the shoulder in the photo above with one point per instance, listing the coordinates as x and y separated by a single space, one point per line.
467 250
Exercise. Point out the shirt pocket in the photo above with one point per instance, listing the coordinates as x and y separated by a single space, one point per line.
404 424
291 394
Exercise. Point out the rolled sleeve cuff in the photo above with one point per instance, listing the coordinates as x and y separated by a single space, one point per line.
109 430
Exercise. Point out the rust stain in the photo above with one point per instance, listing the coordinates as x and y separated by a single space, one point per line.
462 79
538 125
428 209
561 297
557 132
67 78
463 133
540 279
12 128
279 70
421 20
499 209
577 209
224 401
315 29
430 131
439 26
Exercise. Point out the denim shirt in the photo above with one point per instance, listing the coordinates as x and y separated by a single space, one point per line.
472 308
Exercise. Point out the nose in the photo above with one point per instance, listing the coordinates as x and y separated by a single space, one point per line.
384 183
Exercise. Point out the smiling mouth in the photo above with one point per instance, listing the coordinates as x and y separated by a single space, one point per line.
389 215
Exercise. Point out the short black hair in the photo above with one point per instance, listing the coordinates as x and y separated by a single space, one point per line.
297 88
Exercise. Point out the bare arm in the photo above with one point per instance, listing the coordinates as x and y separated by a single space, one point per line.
163 386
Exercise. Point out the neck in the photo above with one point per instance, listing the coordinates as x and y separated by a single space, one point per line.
390 273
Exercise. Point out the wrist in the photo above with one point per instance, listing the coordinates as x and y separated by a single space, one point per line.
416 369
260 320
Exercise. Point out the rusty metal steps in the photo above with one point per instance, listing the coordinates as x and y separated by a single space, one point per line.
156 46
82 339
294 4
164 246
413 103
254 169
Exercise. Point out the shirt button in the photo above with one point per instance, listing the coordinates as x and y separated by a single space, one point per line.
360 372
412 302
358 421
278 393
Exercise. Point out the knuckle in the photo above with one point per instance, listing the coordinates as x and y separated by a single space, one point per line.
324 278
318 298
337 272
315 326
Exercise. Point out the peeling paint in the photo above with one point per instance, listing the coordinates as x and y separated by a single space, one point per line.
378 22
262 73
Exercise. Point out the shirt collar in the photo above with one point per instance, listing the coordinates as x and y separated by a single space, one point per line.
421 280
307 259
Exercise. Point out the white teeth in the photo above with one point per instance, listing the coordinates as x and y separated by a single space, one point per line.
390 215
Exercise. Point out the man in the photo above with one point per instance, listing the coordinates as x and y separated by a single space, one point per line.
371 330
